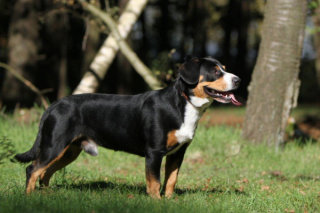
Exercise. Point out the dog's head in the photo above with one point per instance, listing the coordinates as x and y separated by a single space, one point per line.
207 78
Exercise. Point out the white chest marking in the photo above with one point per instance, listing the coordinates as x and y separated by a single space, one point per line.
192 116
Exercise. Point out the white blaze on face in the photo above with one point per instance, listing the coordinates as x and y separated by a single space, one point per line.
227 77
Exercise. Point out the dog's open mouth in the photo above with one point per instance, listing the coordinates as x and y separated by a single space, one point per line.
223 97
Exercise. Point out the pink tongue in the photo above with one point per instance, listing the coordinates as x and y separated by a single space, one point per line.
234 100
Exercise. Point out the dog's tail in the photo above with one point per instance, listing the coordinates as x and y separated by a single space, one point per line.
33 153
29 155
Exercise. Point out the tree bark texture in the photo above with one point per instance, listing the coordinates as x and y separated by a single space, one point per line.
274 87
110 47
316 20
23 53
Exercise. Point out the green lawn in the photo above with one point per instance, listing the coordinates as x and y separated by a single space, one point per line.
220 173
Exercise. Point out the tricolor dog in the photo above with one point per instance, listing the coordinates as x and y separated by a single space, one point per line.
153 124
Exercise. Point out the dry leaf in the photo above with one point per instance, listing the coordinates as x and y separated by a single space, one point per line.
245 180
241 189
302 192
276 173
289 210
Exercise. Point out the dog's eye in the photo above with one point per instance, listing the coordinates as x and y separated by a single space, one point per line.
216 72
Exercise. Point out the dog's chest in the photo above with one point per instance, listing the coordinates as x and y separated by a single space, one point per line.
192 115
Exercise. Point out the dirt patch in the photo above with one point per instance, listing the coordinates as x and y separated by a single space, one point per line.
223 117
306 126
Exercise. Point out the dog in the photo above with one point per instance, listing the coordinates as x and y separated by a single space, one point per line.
153 124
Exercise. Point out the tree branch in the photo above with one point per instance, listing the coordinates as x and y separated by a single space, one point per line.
107 52
143 70
27 83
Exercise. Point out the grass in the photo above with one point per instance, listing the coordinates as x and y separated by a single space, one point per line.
220 173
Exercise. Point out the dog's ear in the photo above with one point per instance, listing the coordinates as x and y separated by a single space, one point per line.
190 71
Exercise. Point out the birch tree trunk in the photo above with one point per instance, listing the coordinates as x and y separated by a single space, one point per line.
274 87
135 61
110 47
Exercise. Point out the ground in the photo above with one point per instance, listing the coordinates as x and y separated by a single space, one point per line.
221 173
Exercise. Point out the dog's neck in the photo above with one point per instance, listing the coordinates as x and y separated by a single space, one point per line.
197 102
194 110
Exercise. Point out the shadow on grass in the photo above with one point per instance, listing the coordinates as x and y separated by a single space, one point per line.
141 189
277 175
309 178
101 185
211 190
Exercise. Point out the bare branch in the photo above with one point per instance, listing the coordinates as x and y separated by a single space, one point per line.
139 66
27 83
110 47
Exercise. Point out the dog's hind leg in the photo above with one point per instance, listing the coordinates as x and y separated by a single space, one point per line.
153 164
40 165
70 154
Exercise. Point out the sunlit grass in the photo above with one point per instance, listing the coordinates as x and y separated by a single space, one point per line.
221 173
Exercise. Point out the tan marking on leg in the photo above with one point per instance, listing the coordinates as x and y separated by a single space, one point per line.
38 171
171 177
41 178
172 139
153 186
32 181
69 156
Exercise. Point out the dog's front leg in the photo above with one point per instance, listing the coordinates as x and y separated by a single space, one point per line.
173 164
153 164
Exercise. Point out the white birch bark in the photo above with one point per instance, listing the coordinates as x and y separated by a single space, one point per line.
110 47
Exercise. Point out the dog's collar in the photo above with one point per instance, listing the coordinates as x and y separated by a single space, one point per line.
186 97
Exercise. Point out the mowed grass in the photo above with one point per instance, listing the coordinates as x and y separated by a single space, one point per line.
220 173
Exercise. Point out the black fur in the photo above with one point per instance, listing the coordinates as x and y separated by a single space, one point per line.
137 124
190 72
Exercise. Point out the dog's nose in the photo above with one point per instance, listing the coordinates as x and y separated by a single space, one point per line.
236 81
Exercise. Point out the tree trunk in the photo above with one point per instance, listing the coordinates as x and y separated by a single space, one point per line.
274 87
23 54
123 72
316 20
110 47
